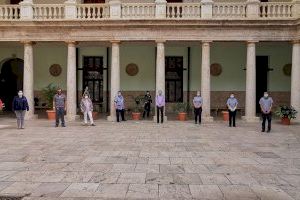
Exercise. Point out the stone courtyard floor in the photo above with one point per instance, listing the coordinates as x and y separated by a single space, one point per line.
143 160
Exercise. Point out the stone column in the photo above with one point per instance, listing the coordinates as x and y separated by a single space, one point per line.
295 82
71 82
205 81
28 82
250 106
114 78
160 72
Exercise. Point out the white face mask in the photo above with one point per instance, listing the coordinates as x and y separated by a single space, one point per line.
20 94
266 95
86 97
198 94
231 96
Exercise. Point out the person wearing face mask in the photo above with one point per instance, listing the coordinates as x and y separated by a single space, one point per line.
147 106
59 105
232 104
266 104
86 106
120 106
160 104
20 105
197 102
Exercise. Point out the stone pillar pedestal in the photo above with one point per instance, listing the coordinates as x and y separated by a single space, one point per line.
70 9
160 74
207 9
115 78
115 9
205 81
160 9
253 9
71 82
250 107
28 81
295 82
296 8
26 10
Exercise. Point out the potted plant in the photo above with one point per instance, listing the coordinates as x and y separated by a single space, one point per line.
181 108
48 94
136 112
286 113
2 106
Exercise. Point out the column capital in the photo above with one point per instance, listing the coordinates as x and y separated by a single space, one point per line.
160 41
115 41
252 41
295 42
206 41
71 42
27 42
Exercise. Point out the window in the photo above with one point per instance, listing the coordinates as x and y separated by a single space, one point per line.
15 1
174 78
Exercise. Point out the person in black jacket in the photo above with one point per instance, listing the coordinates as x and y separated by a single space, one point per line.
20 106
147 105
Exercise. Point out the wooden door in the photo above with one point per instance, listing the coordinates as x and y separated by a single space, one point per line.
174 1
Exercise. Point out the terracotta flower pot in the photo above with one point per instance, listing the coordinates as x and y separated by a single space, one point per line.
51 114
225 115
95 115
285 121
182 116
136 116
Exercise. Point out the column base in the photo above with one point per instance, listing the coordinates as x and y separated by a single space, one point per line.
250 119
72 117
155 119
31 117
207 119
111 118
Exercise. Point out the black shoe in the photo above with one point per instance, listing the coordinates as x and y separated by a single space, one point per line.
268 131
63 125
56 126
93 125
234 126
262 130
195 122
229 125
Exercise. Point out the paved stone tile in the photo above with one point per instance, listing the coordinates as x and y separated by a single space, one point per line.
132 178
20 188
174 192
237 192
50 189
293 180
208 192
269 179
195 169
241 179
77 177
270 193
214 179
161 160
171 169
6 174
124 168
4 185
180 161
142 191
80 190
185 179
112 191
146 168
157 178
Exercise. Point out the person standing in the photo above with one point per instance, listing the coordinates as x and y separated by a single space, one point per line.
59 105
266 104
160 105
86 106
232 104
120 106
20 106
197 102
147 106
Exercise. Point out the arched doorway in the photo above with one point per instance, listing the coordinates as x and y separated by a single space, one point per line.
11 79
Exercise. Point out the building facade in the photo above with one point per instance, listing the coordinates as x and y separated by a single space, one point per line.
217 47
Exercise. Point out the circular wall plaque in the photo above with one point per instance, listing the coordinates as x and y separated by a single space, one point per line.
132 69
55 70
215 69
287 69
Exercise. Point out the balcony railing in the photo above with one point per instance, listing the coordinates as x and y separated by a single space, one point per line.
9 12
229 10
138 10
276 10
92 11
182 11
48 11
